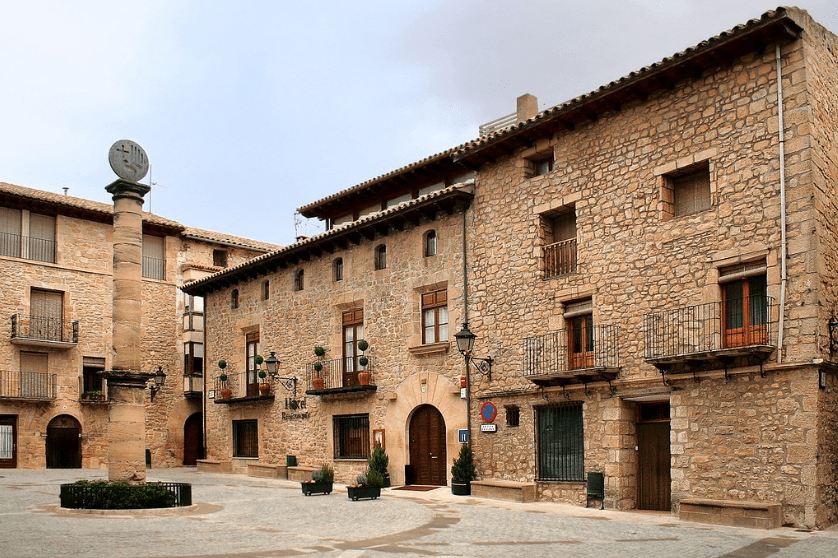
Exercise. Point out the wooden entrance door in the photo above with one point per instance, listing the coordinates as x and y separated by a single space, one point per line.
427 447
63 443
653 468
8 442
193 440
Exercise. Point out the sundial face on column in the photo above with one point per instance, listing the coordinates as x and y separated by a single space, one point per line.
128 160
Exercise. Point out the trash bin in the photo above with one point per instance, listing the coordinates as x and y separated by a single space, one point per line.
596 489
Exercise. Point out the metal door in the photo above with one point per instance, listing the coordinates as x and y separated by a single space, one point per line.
8 442
427 447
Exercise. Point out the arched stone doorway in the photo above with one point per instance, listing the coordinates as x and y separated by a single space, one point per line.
193 439
428 456
63 443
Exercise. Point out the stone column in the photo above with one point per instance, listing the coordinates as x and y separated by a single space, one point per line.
126 382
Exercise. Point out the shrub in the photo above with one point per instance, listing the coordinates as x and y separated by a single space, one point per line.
463 469
374 478
105 495
378 461
324 474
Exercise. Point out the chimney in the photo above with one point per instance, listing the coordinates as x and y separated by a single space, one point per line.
527 107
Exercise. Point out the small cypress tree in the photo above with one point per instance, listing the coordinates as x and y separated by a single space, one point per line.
463 468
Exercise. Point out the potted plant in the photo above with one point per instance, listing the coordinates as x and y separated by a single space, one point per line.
366 485
95 395
321 481
226 393
463 472
363 361
317 381
264 386
378 462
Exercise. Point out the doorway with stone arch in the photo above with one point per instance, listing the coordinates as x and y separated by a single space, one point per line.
428 456
193 439
63 444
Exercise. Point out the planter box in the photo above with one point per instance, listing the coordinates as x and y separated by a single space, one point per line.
356 492
460 488
310 488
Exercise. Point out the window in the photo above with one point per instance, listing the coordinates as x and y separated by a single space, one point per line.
559 229
352 436
536 166
39 245
46 315
193 313
337 269
513 415
219 258
252 372
35 380
687 190
245 438
381 256
353 331
234 299
153 257
561 442
430 243
744 305
435 317
266 289
91 379
193 358
579 320
299 277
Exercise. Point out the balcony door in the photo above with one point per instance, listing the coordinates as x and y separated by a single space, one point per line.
8 441
252 372
46 315
579 319
745 312
353 331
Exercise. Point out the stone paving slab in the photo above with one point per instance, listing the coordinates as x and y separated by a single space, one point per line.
249 517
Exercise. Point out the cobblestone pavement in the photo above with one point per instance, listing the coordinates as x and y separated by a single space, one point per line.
245 517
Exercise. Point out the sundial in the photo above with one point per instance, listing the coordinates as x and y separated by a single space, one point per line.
128 160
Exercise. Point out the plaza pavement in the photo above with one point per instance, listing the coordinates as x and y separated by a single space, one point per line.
246 517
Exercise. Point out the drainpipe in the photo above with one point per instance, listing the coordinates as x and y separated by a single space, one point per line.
465 320
782 139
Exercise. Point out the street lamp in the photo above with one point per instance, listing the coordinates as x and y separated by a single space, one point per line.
156 383
465 343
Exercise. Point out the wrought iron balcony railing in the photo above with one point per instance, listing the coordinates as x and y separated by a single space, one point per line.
560 258
340 375
42 330
559 356
725 328
34 386
27 247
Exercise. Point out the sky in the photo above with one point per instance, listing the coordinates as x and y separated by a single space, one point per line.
248 110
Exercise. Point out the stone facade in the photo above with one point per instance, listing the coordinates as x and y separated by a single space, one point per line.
82 276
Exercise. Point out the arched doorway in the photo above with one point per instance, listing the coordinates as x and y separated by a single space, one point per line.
428 460
63 443
193 439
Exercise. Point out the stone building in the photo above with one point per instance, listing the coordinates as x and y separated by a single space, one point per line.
57 283
653 267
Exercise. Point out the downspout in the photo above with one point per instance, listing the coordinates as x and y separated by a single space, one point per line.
782 139
465 320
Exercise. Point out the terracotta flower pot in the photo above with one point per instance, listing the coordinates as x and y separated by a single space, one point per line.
364 378
318 383
264 389
226 393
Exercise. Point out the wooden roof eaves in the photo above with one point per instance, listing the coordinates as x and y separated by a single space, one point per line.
368 228
754 36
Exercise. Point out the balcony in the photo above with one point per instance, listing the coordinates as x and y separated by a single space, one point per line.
44 331
554 360
193 386
560 258
340 375
715 331
239 392
27 247
28 386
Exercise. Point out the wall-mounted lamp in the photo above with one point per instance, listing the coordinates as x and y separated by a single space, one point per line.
155 384
289 383
465 343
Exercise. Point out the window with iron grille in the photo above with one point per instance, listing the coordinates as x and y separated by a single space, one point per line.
352 436
435 317
245 438
513 415
154 262
560 442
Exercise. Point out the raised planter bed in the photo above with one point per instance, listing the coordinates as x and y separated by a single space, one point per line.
310 488
357 492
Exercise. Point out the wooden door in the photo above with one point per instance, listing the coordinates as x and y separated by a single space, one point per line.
8 442
193 440
428 458
63 443
653 468
581 342
745 312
